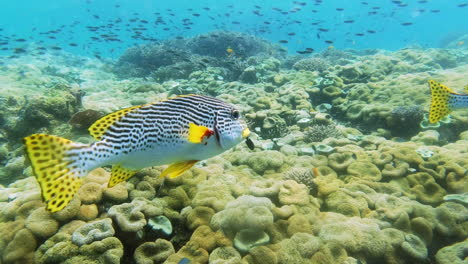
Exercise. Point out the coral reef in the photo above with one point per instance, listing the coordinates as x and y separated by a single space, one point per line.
177 59
312 64
344 169
215 43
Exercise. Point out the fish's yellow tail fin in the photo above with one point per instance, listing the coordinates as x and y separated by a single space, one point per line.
440 95
55 162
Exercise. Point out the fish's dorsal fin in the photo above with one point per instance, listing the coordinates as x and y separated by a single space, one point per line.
440 95
178 96
178 168
100 127
120 174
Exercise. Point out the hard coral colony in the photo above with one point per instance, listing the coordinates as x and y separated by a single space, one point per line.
349 158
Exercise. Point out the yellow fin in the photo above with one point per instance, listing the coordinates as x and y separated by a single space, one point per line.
197 133
440 95
119 174
100 127
54 169
177 169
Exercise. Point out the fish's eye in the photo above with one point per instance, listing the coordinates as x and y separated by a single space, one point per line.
235 114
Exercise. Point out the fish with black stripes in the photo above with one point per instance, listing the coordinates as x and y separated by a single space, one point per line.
179 131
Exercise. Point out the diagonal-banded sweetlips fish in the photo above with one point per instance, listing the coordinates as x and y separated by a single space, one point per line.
444 100
178 131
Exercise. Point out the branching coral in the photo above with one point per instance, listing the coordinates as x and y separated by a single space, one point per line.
317 133
312 64
304 176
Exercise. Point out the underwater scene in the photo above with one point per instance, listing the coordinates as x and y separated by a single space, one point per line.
236 132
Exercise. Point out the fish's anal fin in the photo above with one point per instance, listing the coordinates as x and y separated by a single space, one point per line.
196 133
120 174
56 171
178 168
440 95
100 127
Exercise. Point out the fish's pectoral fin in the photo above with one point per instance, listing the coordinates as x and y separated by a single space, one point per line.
178 168
120 174
196 133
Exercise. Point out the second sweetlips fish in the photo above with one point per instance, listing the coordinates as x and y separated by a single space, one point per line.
178 131
444 100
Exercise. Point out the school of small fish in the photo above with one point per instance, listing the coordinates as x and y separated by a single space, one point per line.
299 24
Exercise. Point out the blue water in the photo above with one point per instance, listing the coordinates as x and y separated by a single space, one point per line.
433 22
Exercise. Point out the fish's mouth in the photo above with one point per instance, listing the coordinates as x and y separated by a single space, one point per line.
245 132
